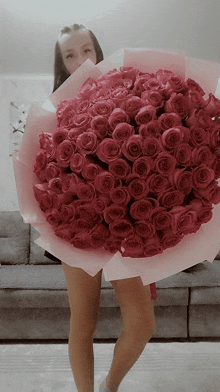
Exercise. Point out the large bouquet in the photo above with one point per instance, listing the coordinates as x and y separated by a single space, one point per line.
128 164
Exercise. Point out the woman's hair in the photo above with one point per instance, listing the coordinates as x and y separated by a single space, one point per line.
60 71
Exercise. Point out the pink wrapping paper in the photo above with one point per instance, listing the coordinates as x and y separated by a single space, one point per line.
193 249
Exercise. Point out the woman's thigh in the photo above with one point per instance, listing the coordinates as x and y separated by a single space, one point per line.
136 305
84 293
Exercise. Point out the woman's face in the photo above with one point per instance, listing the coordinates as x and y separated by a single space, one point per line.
76 48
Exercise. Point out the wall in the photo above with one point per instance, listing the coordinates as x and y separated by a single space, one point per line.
27 40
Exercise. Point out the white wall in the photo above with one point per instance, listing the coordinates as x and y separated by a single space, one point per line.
28 32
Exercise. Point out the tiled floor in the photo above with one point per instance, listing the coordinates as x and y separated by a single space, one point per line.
162 367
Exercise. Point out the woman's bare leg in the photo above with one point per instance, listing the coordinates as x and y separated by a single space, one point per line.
138 327
84 295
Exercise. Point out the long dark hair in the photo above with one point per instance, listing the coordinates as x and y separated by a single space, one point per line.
60 71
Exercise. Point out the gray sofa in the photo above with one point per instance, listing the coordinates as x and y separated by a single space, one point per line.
34 303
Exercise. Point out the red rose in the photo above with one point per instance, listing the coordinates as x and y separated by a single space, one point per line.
216 167
45 139
90 171
81 241
112 244
200 119
175 84
198 136
53 217
108 150
182 180
77 163
214 137
138 188
66 112
64 232
40 161
99 205
144 228
122 132
177 104
145 115
59 135
85 192
211 193
65 152
195 100
139 83
183 154
212 106
120 195
202 155
153 84
132 105
129 73
52 170
142 209
114 212
165 163
133 246
87 211
152 129
44 197
171 138
152 146
81 121
74 133
55 184
121 228
82 106
104 182
87 143
153 98
161 218
100 126
120 83
169 120
193 86
142 166
102 108
118 116
67 212
203 210
152 246
69 182
158 183
118 95
99 235
183 219
169 239
171 198
163 75
119 168
87 89
132 147
202 176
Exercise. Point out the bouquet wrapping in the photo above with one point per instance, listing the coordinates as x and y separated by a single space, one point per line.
119 169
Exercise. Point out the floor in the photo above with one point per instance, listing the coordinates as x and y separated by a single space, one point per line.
162 367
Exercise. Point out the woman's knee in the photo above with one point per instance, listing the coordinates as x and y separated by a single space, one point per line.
136 306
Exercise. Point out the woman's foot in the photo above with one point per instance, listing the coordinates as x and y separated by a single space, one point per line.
103 387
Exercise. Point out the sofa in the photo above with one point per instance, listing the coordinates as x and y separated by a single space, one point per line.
34 303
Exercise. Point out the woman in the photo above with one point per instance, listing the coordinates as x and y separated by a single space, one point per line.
75 45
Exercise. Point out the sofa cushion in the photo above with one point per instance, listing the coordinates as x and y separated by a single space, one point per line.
14 238
207 275
36 252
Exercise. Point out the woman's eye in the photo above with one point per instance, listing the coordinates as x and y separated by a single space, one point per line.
70 55
87 50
